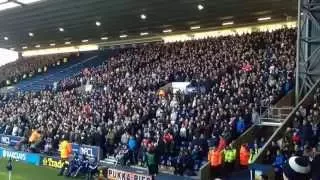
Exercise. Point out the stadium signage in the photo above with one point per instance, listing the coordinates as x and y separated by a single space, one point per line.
5 140
115 174
29 158
53 162
89 151
9 140
14 155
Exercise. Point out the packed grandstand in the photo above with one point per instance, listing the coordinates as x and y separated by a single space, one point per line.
133 113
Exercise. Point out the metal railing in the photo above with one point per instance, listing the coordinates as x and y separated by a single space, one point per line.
286 123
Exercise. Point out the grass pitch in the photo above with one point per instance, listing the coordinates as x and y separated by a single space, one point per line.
22 171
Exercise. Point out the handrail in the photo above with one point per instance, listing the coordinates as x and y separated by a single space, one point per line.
285 123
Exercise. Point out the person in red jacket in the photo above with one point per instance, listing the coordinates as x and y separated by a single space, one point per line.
244 156
168 142
222 143
296 138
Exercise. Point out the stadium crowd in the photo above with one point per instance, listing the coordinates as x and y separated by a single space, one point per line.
300 139
127 117
28 66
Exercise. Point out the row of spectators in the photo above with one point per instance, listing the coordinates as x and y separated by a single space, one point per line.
302 138
26 67
124 113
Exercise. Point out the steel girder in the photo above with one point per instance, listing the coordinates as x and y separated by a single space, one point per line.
308 46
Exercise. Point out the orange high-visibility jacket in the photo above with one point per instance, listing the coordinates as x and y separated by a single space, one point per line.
215 158
244 156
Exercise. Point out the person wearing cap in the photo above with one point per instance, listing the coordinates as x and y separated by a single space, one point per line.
297 168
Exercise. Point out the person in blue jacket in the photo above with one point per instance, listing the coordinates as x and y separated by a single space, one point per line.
240 126
278 164
132 147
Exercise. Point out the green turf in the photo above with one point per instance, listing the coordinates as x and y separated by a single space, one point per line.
22 171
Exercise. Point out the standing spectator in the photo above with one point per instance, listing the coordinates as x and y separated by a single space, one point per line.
168 142
278 164
151 162
244 156
215 159
306 134
315 167
230 154
255 116
240 126
132 146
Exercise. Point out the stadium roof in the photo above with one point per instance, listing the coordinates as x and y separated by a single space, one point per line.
56 22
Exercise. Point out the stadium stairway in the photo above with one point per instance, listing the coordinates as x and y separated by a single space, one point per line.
281 130
270 121
40 82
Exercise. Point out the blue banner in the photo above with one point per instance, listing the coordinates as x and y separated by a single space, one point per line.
10 141
29 158
89 151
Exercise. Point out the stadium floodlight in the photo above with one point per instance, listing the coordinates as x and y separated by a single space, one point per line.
98 23
61 29
143 16
167 31
194 27
123 36
3 1
24 47
264 18
200 7
37 46
28 1
104 38
144 33
85 40
6 38
68 42
8 5
227 23
31 34
52 44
